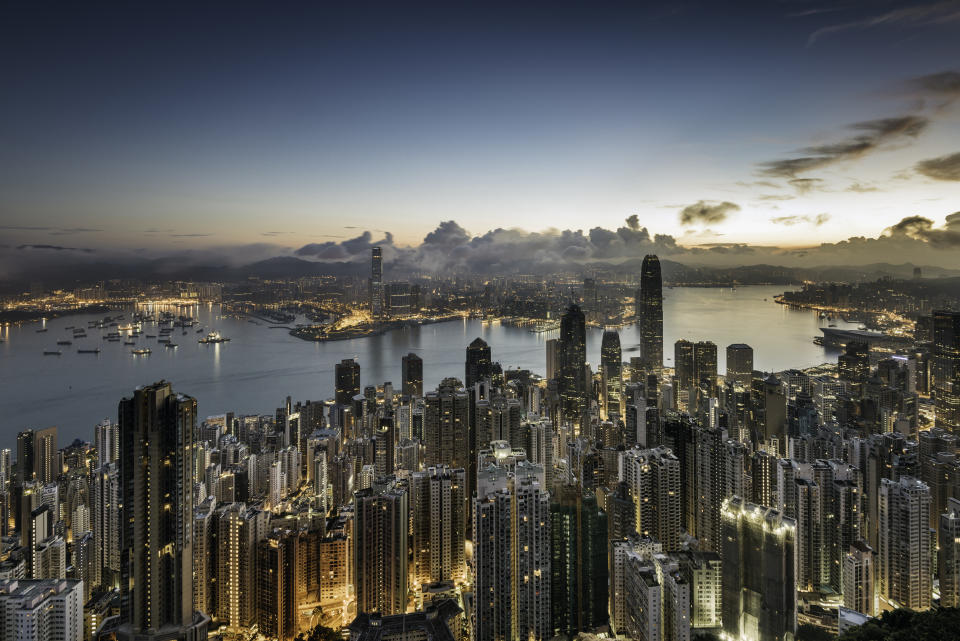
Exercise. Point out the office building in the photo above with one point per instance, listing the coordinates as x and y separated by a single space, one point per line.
573 364
347 380
376 283
479 366
412 375
649 312
740 364
946 369
611 370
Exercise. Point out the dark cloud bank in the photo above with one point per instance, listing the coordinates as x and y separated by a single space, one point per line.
450 249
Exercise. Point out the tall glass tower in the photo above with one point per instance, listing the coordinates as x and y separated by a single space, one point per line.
649 311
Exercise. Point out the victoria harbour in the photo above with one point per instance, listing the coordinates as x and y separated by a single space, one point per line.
260 365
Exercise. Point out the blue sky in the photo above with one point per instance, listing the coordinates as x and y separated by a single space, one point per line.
180 126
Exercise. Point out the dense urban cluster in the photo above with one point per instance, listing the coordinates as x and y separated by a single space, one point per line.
626 499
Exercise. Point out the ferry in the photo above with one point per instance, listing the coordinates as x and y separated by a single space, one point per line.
213 337
142 352
172 345
126 328
51 352
89 351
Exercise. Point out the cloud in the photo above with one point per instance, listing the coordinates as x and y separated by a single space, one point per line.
633 222
922 229
190 235
942 168
790 221
861 188
805 185
705 211
346 250
776 197
57 248
24 228
935 13
873 135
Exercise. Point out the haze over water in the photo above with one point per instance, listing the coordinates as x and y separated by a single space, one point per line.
259 367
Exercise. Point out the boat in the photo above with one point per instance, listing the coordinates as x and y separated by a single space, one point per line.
64 342
172 345
129 342
200 331
89 351
142 352
51 352
151 335
163 339
41 330
68 327
115 339
213 337
126 328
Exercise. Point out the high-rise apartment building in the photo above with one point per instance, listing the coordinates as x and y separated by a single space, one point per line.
157 432
759 584
949 556
905 573
859 579
438 516
41 610
381 519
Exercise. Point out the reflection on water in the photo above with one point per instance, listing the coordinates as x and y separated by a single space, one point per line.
260 366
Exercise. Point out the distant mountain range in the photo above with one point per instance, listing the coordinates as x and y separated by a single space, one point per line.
287 267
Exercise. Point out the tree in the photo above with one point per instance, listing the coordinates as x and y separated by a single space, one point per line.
320 633
807 632
906 625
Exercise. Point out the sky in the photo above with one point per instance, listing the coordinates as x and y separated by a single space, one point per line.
276 127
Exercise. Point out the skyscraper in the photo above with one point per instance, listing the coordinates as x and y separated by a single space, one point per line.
478 367
438 515
445 425
905 572
46 455
946 369
376 283
949 557
611 369
157 431
578 532
740 364
381 516
573 363
759 585
347 375
412 375
649 311
859 579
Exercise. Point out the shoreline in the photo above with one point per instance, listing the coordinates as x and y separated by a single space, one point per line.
309 333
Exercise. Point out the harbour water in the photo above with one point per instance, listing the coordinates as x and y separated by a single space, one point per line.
260 366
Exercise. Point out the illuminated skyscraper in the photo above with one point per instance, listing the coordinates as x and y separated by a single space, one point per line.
740 364
438 515
573 363
905 572
347 374
611 369
946 369
578 534
759 584
649 311
478 367
376 283
949 556
412 375
157 432
381 520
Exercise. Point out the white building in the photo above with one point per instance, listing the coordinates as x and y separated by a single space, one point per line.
41 610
